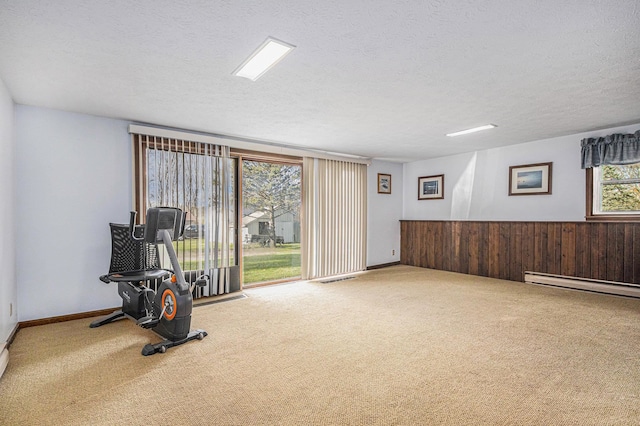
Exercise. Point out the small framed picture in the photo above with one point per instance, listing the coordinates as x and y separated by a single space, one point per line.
530 179
384 183
431 187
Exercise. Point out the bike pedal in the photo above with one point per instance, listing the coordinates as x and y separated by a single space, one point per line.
148 322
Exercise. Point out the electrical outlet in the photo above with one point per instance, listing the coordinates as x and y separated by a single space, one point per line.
10 310
393 252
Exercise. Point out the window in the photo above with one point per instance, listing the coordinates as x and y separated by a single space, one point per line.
271 202
200 179
613 192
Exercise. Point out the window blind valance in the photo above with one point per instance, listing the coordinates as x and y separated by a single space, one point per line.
243 144
616 149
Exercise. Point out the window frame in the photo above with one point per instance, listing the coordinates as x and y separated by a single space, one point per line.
602 217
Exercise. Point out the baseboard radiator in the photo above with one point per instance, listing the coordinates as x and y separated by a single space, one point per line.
4 359
587 284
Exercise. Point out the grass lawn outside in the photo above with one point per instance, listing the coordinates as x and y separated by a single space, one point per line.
271 264
260 263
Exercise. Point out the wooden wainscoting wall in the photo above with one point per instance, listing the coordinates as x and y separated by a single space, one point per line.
597 250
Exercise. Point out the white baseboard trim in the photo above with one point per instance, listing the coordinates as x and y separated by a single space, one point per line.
4 359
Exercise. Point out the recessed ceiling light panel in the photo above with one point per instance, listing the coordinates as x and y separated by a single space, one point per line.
266 56
475 129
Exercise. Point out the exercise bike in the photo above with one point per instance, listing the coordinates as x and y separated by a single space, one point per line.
134 262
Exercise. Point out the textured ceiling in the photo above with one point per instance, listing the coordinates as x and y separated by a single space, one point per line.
383 79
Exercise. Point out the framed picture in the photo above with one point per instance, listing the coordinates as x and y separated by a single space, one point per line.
431 187
530 179
384 183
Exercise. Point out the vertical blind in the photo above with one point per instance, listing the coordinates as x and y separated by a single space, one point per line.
335 217
197 178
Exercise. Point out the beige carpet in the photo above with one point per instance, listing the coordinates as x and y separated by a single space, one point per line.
400 345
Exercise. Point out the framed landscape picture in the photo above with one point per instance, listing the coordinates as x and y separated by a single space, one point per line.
384 183
530 179
431 187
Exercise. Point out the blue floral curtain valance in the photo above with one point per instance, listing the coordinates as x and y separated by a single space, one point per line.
613 149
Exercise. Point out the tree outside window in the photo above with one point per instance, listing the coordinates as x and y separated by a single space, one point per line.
617 189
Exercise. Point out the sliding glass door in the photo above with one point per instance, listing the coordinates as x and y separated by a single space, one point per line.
271 200
200 179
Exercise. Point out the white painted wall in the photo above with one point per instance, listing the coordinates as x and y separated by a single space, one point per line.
73 177
477 184
384 212
8 283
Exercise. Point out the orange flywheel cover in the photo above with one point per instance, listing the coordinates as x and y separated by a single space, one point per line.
170 311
